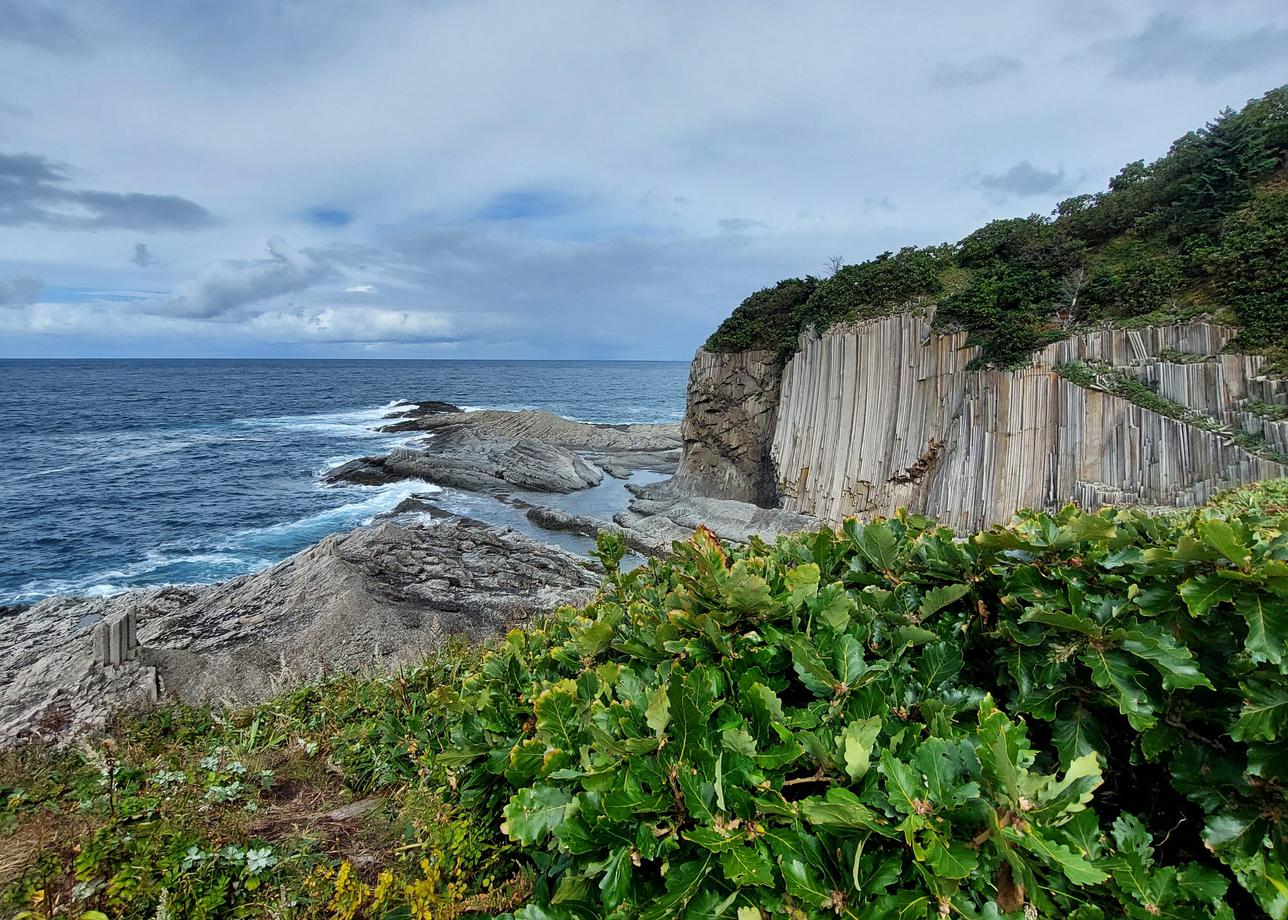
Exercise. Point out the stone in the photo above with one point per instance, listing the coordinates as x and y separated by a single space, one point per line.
382 597
884 414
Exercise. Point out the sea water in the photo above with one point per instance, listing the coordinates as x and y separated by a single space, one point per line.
125 473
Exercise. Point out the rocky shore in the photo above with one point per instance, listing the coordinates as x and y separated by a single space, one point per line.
381 596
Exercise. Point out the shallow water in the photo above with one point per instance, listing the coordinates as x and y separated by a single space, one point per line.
117 474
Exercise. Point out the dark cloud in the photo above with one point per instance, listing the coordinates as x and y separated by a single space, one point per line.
226 289
1169 45
20 290
884 203
1023 180
739 225
34 192
987 69
144 258
30 23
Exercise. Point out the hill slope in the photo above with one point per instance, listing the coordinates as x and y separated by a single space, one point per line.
1202 229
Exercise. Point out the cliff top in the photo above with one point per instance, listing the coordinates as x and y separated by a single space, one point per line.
1201 230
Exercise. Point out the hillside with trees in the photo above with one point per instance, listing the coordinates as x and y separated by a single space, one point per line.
1203 230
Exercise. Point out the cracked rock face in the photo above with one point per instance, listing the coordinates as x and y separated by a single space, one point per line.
728 427
383 596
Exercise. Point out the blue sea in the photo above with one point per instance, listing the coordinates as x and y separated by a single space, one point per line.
123 473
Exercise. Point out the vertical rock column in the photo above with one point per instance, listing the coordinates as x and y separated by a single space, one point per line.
116 640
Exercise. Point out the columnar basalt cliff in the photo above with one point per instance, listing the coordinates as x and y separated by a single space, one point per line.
875 416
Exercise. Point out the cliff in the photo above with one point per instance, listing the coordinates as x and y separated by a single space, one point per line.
884 414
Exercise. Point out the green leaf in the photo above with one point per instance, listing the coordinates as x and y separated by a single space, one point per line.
1203 592
658 713
954 859
1173 661
557 716
833 607
936 599
878 545
803 883
1221 537
1114 673
747 866
711 839
903 783
813 673
1267 620
1075 868
802 583
1264 716
840 808
1077 731
534 812
939 663
856 745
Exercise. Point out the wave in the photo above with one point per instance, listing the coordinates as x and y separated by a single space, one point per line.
295 535
238 553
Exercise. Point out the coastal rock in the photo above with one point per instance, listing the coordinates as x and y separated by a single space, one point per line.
383 596
664 512
728 427
495 452
534 425
888 413
545 468
490 469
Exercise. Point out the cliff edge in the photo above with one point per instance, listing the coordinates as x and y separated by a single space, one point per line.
882 414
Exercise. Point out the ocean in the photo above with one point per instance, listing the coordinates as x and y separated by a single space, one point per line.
125 473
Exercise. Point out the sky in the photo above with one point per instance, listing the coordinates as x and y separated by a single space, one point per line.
563 179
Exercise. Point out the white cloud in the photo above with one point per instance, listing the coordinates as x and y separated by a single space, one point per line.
653 126
226 287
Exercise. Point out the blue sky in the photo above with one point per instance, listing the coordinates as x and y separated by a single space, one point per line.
569 179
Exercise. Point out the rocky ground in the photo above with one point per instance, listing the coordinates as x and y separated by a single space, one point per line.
378 596
384 595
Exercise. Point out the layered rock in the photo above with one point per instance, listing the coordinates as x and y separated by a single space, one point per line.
884 414
728 426
383 596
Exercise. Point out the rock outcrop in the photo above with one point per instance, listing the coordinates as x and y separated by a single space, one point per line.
495 452
728 426
382 596
884 414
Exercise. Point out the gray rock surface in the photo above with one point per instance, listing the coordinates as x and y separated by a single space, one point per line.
535 425
383 596
728 427
666 511
493 452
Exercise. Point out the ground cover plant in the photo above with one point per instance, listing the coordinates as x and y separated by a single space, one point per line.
1201 230
1075 715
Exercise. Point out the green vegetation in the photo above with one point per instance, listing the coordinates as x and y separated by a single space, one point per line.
1133 389
1078 715
1202 229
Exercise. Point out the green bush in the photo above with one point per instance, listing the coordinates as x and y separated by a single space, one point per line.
1077 715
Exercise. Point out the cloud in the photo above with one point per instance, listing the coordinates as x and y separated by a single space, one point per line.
976 72
739 225
34 192
224 288
360 289
1023 180
1169 45
144 258
20 290
30 23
